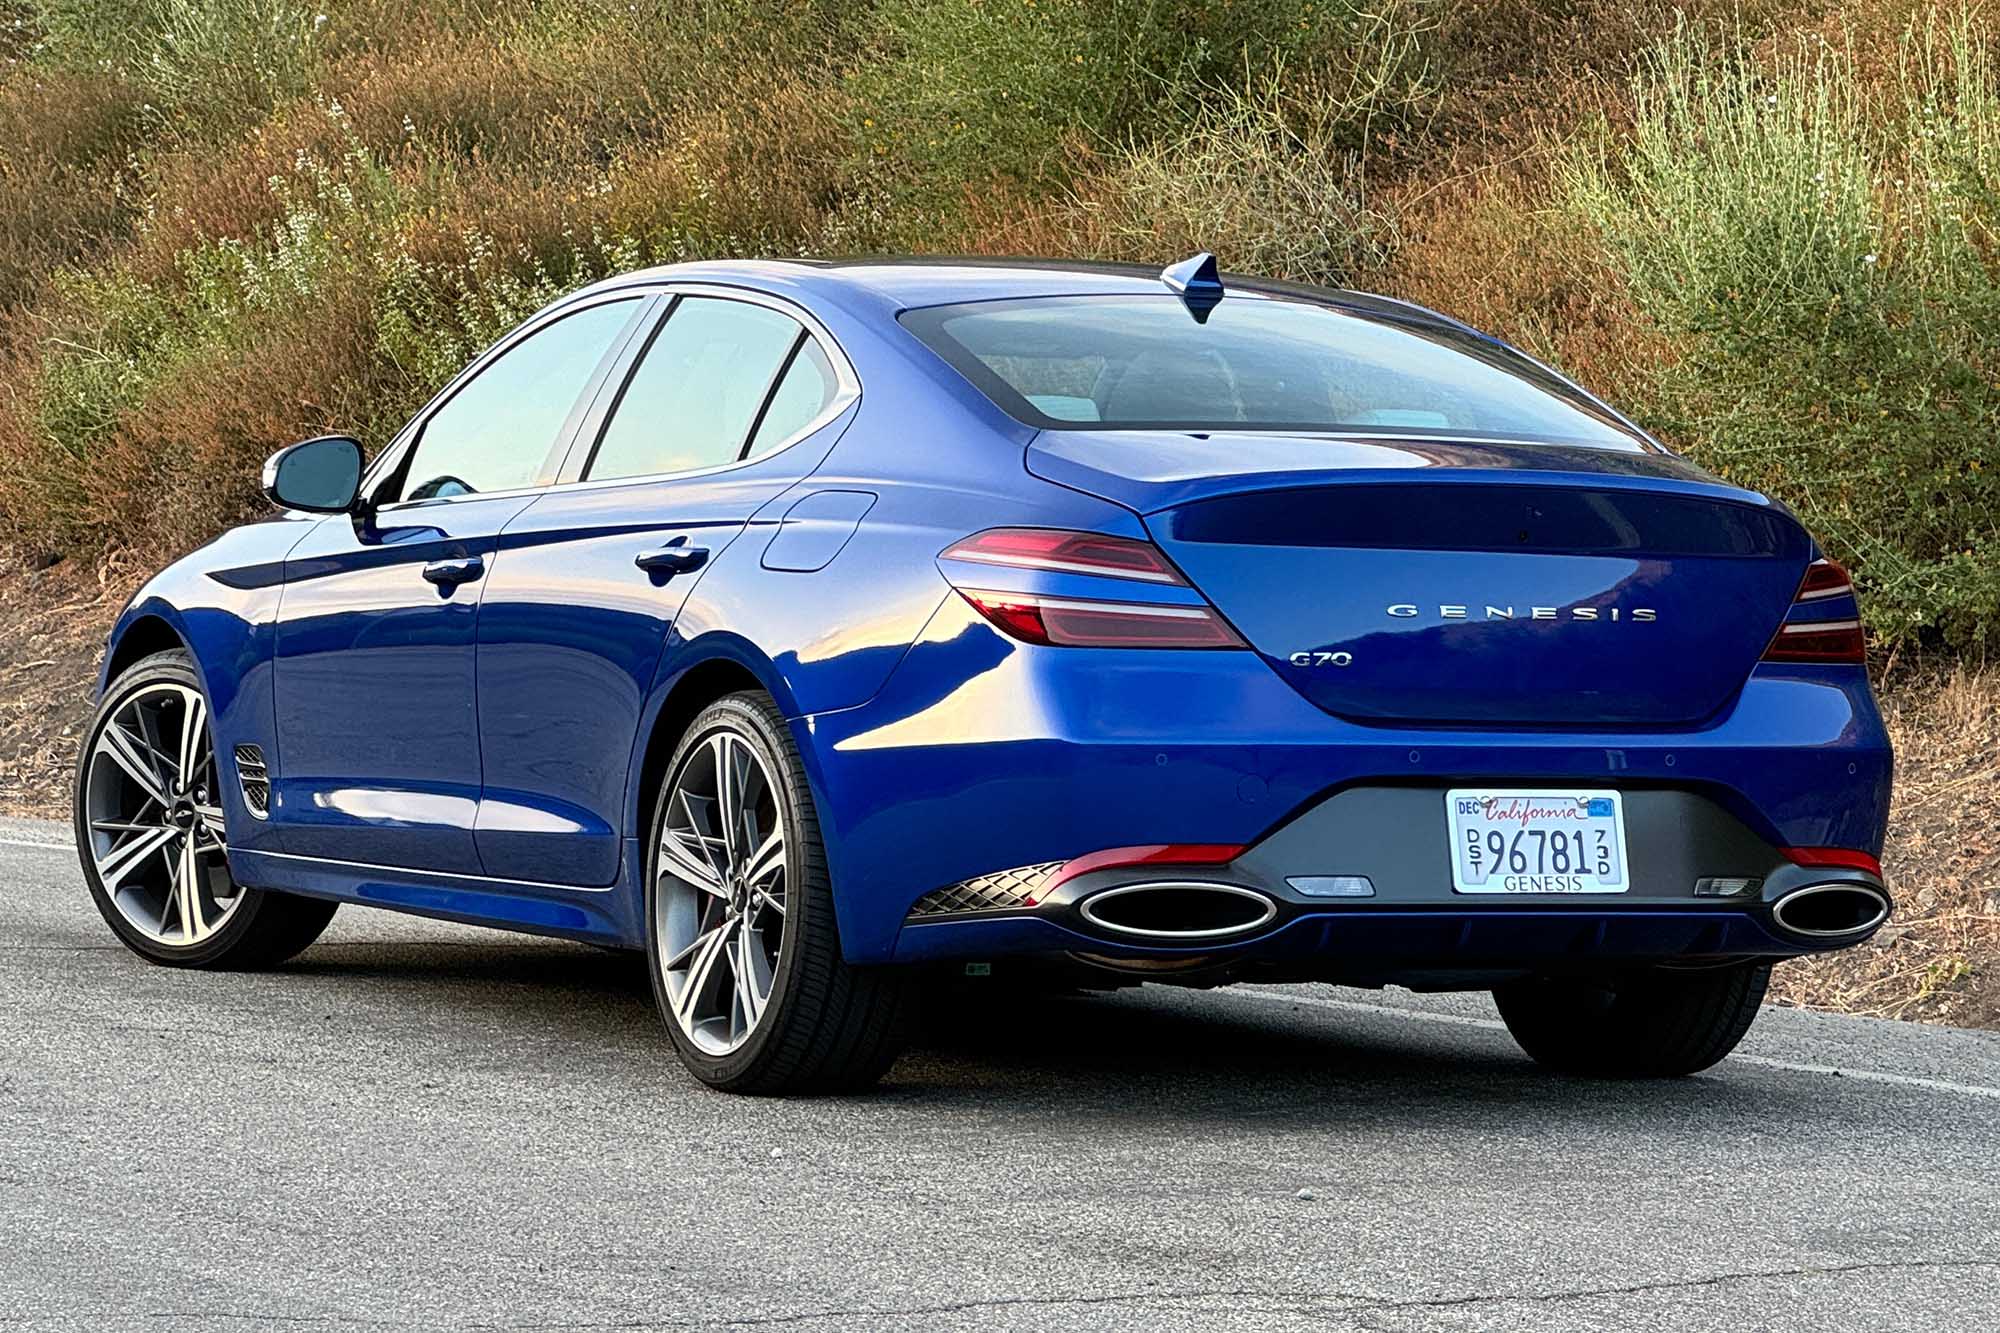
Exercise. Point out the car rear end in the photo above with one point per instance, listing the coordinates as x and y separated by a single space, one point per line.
1406 662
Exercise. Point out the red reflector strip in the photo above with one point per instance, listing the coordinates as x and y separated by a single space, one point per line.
1065 622
1068 553
1168 853
1833 857
1821 641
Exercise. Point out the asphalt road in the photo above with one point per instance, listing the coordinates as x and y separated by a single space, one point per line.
426 1126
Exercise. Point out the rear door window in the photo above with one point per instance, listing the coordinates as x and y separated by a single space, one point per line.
699 390
805 390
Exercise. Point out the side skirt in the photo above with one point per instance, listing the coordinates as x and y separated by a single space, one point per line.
596 915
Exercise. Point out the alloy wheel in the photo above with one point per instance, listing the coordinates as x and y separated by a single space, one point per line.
152 800
719 902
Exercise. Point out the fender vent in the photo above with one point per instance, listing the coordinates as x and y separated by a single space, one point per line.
1001 891
256 779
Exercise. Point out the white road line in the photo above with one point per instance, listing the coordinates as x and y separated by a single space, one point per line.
48 846
1871 1076
1494 1024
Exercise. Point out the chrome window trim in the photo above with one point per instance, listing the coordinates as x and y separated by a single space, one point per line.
845 396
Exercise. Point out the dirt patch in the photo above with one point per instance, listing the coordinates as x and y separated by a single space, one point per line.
52 627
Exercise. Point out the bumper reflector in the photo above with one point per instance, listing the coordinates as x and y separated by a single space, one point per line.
1844 858
1156 854
1722 886
1332 886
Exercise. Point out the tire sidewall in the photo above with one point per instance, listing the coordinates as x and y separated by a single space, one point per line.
751 724
173 667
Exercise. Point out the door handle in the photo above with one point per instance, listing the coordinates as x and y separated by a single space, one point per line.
676 558
448 574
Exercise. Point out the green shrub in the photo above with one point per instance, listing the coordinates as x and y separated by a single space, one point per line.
956 92
1821 253
215 63
1260 177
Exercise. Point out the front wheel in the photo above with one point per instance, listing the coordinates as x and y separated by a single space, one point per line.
1656 1023
744 951
150 834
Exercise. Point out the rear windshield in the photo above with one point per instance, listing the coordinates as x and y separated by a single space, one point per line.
1258 363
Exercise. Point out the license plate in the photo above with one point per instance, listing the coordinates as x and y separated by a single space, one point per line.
1536 841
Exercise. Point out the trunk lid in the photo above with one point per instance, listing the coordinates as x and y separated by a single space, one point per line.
1463 582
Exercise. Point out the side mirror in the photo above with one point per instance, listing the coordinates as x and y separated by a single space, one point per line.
320 476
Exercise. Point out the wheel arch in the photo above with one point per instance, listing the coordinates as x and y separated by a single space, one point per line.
724 665
139 635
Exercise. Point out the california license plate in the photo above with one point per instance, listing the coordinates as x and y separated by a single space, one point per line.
1536 841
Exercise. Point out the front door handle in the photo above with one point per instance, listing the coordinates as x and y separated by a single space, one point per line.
450 573
678 558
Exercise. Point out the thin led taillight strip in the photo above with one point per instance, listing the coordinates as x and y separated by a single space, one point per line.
1023 561
1067 551
1064 622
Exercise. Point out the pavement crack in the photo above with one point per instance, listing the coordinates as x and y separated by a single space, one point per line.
1328 1302
1678 1284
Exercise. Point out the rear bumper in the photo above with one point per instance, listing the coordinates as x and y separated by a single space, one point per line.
981 756
1376 946
1389 843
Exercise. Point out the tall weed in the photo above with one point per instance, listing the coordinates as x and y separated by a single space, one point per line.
1820 250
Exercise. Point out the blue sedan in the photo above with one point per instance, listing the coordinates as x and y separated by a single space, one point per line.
833 630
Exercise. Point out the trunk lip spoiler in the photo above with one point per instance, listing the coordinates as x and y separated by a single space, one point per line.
1062 458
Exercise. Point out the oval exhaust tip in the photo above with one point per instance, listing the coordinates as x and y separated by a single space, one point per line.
1178 910
1830 911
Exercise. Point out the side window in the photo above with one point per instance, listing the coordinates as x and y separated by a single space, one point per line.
493 434
809 384
695 395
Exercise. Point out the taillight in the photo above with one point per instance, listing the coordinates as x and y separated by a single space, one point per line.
1824 578
1076 622
1838 640
1068 553
1066 622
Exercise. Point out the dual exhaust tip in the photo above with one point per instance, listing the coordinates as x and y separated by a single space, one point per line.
1178 910
1831 911
1193 911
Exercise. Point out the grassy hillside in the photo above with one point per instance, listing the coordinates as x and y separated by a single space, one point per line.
1768 228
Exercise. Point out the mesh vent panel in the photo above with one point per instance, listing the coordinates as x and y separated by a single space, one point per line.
256 779
1003 890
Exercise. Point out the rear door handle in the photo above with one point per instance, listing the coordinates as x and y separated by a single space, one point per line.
451 573
668 561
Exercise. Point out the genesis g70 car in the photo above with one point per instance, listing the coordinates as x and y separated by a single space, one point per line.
828 629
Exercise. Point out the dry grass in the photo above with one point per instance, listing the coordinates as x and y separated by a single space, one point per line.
53 623
1939 958
64 141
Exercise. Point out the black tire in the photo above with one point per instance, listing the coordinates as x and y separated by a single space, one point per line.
264 929
828 1026
1656 1023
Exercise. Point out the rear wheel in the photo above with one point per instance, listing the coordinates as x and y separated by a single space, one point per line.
149 831
744 951
1656 1023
